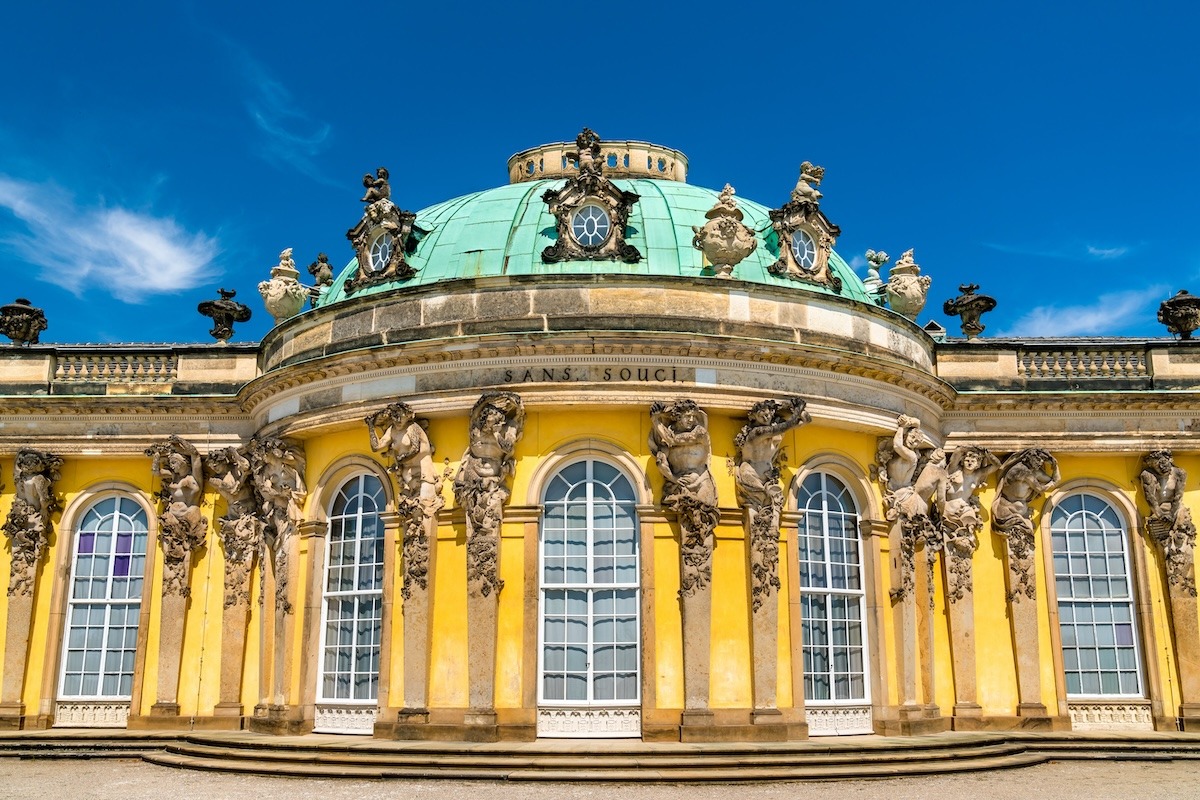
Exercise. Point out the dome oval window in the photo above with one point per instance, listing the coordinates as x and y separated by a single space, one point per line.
590 225
381 252
804 249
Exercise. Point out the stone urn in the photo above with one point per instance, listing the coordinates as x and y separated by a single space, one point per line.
907 288
724 240
969 307
1181 314
284 295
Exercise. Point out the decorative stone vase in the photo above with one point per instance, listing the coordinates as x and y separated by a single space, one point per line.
724 240
284 295
1181 314
907 289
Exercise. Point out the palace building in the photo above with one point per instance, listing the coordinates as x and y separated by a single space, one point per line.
599 453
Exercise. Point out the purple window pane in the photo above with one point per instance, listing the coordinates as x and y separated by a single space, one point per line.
86 543
121 566
124 542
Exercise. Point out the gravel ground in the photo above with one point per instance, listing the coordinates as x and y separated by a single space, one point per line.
104 779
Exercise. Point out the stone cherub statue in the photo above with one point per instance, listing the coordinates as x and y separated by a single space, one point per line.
1024 476
28 525
182 528
321 270
757 475
682 451
377 187
241 531
587 152
396 431
1169 520
810 177
497 422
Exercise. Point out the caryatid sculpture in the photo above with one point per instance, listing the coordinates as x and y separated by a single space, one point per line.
396 432
759 452
28 525
968 471
913 475
241 530
1169 520
1024 477
682 450
278 470
480 487
182 528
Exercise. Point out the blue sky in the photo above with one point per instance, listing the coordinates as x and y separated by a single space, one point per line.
151 152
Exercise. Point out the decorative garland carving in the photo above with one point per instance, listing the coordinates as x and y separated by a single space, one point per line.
480 487
1170 521
682 450
277 469
28 525
419 487
590 187
802 226
229 471
181 527
758 456
1024 476
384 231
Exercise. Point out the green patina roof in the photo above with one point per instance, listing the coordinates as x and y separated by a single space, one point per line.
503 231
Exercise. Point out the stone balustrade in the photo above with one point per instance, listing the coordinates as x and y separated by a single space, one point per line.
146 367
625 159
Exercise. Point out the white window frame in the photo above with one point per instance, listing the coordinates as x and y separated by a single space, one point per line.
1130 599
590 588
132 604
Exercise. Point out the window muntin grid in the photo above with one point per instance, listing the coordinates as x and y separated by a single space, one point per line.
590 225
107 572
832 598
1095 599
804 249
589 643
381 252
353 607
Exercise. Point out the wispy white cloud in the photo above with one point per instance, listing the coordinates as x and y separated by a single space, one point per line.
1066 252
1110 314
129 254
858 263
292 138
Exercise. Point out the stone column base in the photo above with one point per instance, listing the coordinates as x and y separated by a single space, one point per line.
914 720
278 720
1189 717
164 710
12 716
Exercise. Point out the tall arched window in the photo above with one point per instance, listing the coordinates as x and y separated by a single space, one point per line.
832 608
103 607
348 684
589 645
1095 599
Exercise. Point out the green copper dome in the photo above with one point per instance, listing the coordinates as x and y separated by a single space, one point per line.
503 231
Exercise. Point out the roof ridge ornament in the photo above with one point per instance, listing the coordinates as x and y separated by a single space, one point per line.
969 307
590 211
224 312
22 322
806 236
907 289
724 240
1180 313
382 238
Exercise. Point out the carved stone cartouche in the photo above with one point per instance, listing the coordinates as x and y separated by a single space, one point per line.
724 240
224 313
283 295
590 188
181 527
758 456
28 524
382 238
277 467
22 322
969 306
907 289
480 487
1169 520
682 450
1024 477
1181 314
240 530
396 432
805 235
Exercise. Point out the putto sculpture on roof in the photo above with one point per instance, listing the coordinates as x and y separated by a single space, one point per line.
382 238
805 235
590 211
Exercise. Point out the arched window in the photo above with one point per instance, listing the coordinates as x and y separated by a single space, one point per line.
832 607
353 609
1095 599
104 604
589 645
